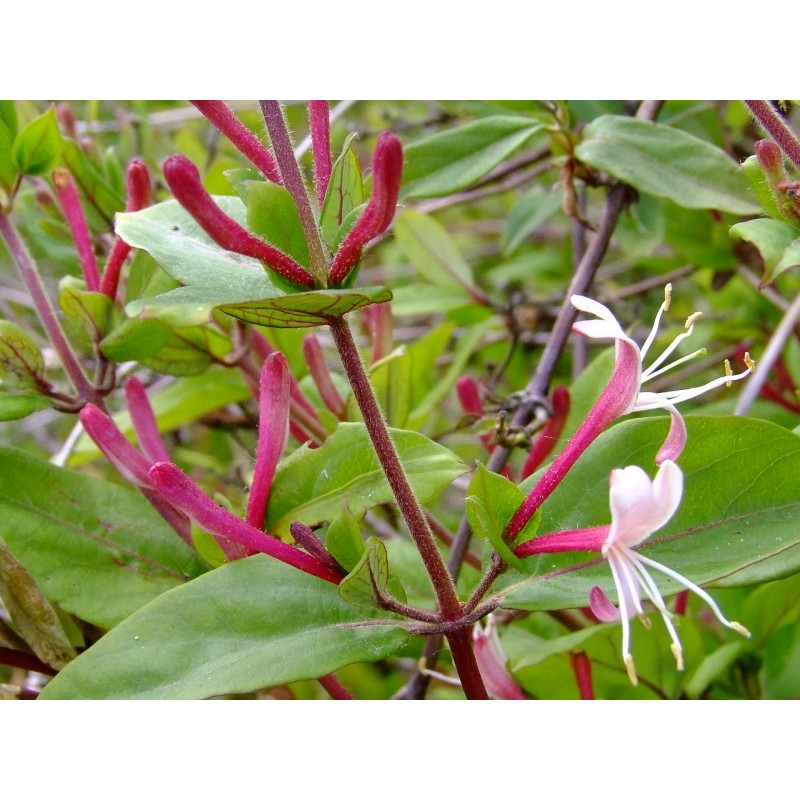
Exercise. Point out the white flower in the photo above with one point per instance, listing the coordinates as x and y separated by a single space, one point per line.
607 327
639 507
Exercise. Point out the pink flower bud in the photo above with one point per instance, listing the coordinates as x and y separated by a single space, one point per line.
184 181
73 213
549 434
378 321
319 122
144 421
318 367
770 159
273 433
387 171
492 663
230 531
140 195
245 141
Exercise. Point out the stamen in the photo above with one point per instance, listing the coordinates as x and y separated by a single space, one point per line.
629 665
751 365
667 353
678 653
667 296
701 353
692 318
728 373
741 629
654 330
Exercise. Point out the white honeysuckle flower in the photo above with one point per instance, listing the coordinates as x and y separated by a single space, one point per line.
639 507
606 326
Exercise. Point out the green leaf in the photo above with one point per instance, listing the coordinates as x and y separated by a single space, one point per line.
98 194
492 500
17 406
343 539
8 172
212 276
666 162
91 310
34 618
533 209
737 523
421 299
369 579
450 161
249 624
777 241
345 193
21 362
428 246
310 485
189 351
135 339
38 145
272 214
307 309
8 116
97 549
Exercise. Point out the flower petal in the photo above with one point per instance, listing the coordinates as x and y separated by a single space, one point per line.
602 607
676 438
640 506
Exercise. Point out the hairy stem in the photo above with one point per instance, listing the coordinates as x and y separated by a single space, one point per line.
47 315
413 514
775 125
293 180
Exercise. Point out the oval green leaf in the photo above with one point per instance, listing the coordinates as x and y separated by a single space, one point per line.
244 626
666 162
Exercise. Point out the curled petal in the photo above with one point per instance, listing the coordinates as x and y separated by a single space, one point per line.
602 607
492 663
676 438
639 506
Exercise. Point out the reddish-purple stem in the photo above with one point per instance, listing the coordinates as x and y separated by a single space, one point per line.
184 181
293 180
387 172
47 315
335 688
318 367
184 493
273 433
777 127
245 141
73 213
320 124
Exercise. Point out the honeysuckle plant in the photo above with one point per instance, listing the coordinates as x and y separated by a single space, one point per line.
302 423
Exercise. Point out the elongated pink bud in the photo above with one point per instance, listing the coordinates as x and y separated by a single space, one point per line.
127 460
378 320
183 492
549 434
73 213
492 663
387 172
770 160
582 667
131 464
140 195
273 433
245 141
319 122
308 540
321 375
144 421
184 181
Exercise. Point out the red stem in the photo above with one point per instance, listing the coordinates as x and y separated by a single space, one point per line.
293 180
776 126
319 121
335 688
245 141
47 315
